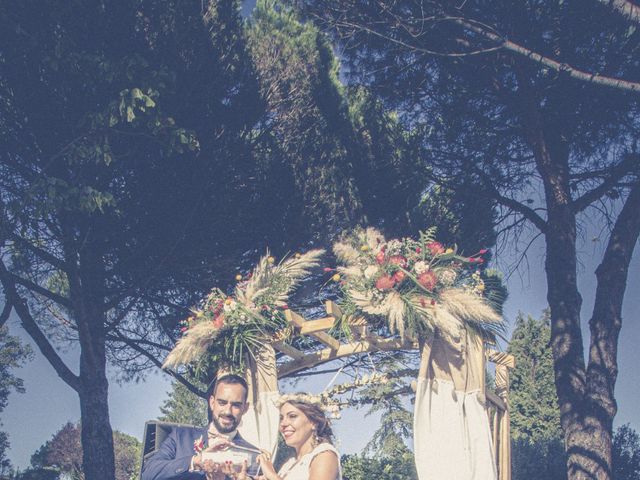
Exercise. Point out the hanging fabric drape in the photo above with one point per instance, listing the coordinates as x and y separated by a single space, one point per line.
452 438
260 424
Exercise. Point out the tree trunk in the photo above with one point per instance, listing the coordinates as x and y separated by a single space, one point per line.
587 436
86 292
97 437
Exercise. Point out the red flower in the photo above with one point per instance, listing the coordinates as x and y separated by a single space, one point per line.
285 307
435 248
380 257
198 445
418 250
184 329
385 282
399 276
483 251
218 322
428 280
398 260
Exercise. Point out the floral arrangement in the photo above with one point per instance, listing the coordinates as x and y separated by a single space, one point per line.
331 408
198 445
230 326
417 286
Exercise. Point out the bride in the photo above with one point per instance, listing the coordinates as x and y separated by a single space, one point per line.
304 427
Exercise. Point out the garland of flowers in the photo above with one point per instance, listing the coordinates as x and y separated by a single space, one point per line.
417 286
227 328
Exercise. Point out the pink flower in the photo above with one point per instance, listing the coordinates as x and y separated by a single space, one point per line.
428 280
398 260
399 276
327 269
218 322
483 251
385 282
435 248
418 250
380 257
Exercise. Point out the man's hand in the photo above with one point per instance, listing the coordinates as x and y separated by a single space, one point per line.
213 470
219 444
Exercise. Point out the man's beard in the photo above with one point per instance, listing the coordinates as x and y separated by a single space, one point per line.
223 429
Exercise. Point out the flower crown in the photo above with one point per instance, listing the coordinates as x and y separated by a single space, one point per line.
330 408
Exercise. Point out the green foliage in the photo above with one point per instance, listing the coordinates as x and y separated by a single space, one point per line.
184 406
63 454
398 467
37 474
537 448
311 136
535 415
626 453
464 215
12 355
544 458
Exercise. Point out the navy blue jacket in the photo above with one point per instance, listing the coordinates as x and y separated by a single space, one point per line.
172 460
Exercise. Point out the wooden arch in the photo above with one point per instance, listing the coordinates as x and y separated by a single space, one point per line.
264 371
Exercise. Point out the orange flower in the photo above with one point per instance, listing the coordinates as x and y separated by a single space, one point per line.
428 280
435 248
398 260
399 276
385 282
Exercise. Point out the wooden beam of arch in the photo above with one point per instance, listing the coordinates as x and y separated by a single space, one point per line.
344 350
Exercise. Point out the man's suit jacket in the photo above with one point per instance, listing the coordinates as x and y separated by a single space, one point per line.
172 460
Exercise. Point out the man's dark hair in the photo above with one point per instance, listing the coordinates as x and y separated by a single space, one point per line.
229 379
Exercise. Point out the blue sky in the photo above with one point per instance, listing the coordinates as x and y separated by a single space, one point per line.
33 417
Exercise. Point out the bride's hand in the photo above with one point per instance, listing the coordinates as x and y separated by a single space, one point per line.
268 470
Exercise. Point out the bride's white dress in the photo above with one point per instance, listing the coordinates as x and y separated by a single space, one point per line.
299 469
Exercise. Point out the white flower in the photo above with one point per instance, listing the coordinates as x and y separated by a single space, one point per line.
230 305
447 277
394 247
370 272
420 267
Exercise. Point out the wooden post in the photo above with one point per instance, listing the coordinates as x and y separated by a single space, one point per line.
504 440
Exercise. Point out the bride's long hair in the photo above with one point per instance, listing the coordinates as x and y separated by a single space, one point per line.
317 417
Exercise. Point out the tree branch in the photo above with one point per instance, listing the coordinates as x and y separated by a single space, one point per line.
30 325
118 337
514 205
548 62
6 311
132 344
34 287
627 9
606 321
616 174
43 254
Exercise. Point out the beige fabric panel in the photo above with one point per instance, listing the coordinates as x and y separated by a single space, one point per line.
459 360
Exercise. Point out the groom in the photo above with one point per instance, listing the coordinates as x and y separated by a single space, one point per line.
177 459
